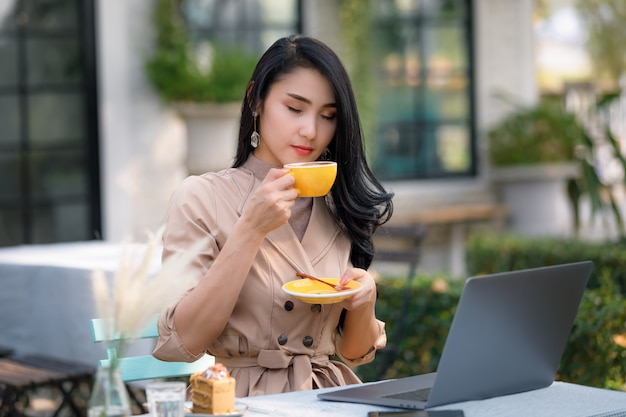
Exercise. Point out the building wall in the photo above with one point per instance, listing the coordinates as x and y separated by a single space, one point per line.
143 141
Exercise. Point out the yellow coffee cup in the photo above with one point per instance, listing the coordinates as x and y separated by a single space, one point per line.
313 179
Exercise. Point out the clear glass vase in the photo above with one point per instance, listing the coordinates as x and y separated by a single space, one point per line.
109 397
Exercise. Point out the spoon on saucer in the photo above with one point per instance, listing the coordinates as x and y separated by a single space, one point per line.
335 287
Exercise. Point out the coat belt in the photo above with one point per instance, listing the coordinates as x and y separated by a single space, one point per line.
279 359
271 359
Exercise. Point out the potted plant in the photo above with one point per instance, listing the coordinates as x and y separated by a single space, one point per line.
541 134
542 160
205 82
532 154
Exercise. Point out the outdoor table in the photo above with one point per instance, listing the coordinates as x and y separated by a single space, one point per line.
46 298
560 399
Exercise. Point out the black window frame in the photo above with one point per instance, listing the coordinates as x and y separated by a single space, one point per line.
25 201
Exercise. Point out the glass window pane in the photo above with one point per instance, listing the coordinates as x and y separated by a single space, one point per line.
276 12
51 14
62 222
446 49
444 8
453 148
56 118
405 150
394 8
213 15
388 38
9 9
198 14
8 62
398 103
414 150
53 61
57 174
11 221
9 119
450 104
253 24
10 174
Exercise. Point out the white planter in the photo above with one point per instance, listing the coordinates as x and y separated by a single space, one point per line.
212 135
536 196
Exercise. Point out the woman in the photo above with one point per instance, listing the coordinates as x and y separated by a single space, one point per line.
299 106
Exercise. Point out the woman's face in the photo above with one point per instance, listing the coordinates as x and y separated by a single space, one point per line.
297 119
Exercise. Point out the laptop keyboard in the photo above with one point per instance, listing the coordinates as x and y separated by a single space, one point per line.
417 395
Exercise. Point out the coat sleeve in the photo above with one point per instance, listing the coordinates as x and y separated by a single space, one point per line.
169 347
190 217
380 343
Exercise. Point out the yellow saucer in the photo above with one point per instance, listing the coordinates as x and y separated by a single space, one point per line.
313 292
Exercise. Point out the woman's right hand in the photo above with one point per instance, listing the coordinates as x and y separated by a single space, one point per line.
269 207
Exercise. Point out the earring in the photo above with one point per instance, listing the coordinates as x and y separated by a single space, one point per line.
255 138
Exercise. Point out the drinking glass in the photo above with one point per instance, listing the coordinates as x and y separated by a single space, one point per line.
166 399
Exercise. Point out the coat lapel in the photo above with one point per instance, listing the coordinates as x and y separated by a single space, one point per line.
317 241
321 232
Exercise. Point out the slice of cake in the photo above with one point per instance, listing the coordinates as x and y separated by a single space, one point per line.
213 391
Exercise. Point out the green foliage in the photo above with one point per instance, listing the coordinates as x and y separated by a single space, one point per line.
605 22
176 73
539 134
487 254
356 28
592 357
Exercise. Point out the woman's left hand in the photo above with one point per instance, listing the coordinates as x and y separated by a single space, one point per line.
367 295
361 330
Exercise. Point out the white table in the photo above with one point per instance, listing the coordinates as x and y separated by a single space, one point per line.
46 298
560 399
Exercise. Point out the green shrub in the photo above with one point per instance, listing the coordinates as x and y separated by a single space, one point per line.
539 134
592 357
487 254
424 326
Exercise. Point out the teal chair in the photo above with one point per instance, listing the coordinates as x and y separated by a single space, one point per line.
135 368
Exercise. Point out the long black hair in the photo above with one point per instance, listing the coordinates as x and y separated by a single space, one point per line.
357 200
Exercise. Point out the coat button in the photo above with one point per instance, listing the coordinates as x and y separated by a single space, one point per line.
282 339
307 341
288 305
316 308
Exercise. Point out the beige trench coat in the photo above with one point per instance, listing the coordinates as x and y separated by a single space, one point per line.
272 343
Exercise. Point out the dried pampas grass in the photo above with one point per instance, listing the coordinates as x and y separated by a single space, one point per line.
137 297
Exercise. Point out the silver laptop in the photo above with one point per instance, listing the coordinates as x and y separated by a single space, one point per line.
507 336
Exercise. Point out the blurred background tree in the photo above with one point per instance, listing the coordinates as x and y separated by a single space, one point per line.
605 21
580 41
